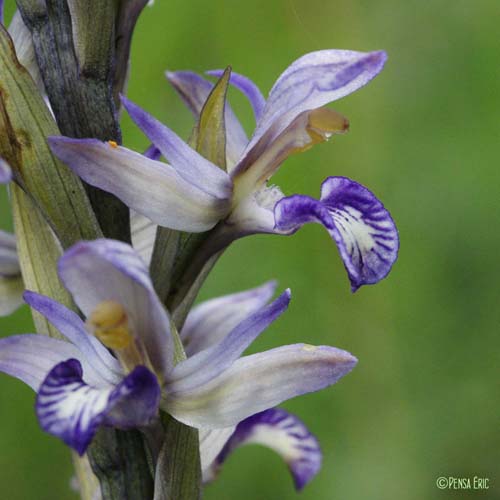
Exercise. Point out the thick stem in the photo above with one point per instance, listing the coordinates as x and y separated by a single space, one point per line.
80 94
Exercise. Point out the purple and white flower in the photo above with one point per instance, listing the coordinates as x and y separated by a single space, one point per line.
192 194
280 431
117 367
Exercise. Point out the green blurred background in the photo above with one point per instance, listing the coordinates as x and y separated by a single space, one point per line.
424 400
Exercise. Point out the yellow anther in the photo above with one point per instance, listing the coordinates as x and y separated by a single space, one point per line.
324 122
109 324
309 347
113 144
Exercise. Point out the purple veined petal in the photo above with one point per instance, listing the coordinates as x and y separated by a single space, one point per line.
1 11
206 365
72 410
143 232
108 270
211 443
189 164
312 81
30 357
5 172
257 382
73 328
151 188
194 91
248 88
211 321
9 261
362 228
285 434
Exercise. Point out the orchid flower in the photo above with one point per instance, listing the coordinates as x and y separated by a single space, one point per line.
207 324
193 194
117 368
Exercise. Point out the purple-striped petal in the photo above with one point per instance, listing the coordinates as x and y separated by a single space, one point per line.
248 88
5 172
257 382
108 270
73 328
362 228
312 81
206 365
30 357
194 91
285 434
152 188
72 410
211 321
189 164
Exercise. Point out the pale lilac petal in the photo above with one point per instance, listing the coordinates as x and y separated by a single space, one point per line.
108 270
189 164
248 88
362 228
73 328
9 261
25 50
257 382
72 410
5 172
312 81
194 91
11 294
154 189
209 322
285 434
211 443
30 357
143 231
206 365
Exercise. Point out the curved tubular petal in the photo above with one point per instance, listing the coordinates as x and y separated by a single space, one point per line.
194 91
73 328
209 322
5 172
206 365
362 228
189 164
151 188
284 433
104 270
143 232
257 382
71 410
312 81
30 357
248 88
211 443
